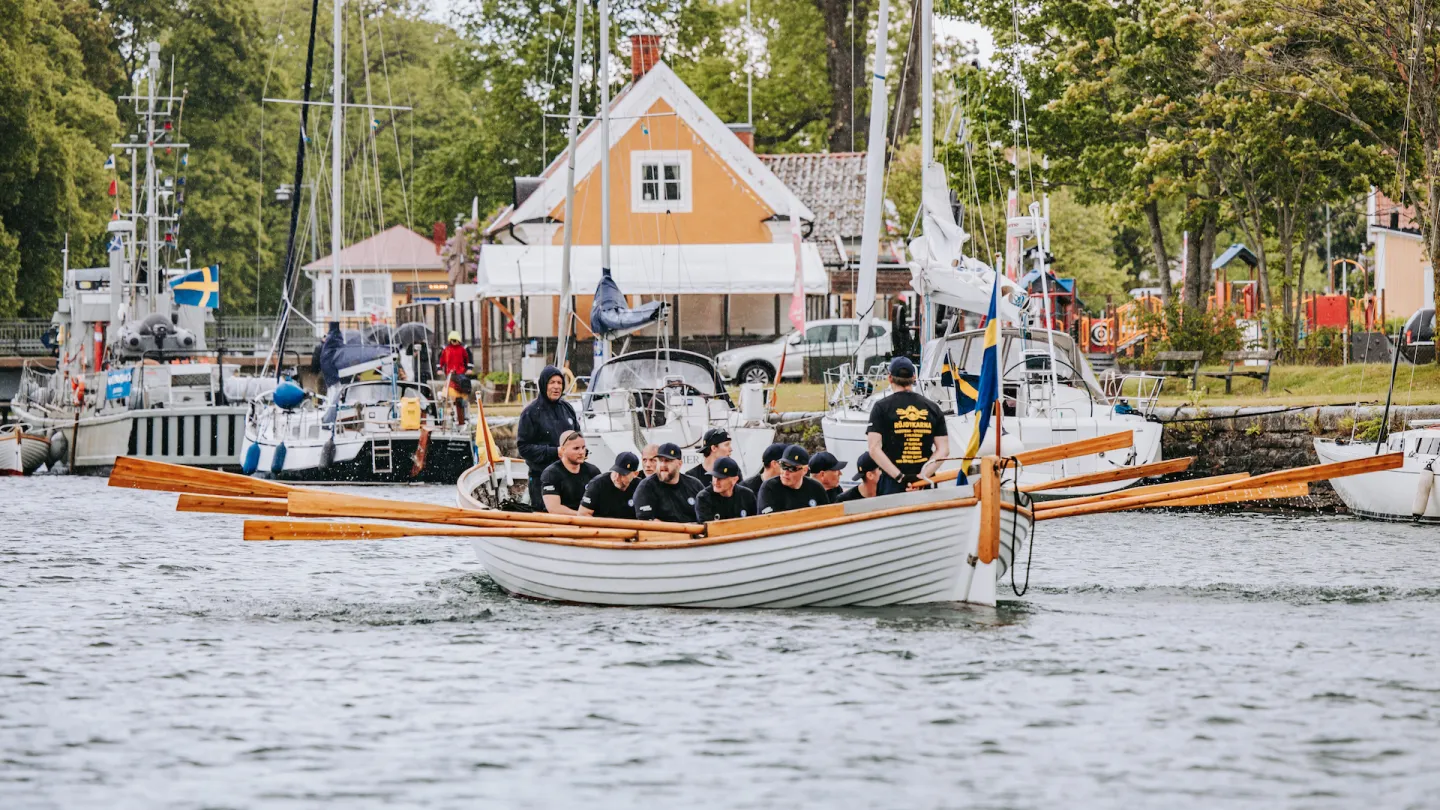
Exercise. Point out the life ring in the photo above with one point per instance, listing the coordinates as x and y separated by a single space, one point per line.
1100 333
569 379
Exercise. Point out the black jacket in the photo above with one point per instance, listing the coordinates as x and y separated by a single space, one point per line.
541 423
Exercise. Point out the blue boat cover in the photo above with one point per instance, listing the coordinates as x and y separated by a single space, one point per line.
336 353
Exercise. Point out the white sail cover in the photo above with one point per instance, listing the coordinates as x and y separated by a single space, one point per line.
939 267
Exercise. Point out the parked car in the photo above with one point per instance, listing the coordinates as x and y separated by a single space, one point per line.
839 338
1417 339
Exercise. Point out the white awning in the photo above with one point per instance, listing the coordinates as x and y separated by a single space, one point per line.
766 268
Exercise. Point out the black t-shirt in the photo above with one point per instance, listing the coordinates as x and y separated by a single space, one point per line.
673 503
710 505
556 480
776 497
834 494
699 473
908 424
753 482
602 498
851 494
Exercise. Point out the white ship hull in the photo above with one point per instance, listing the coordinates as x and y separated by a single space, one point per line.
201 436
1391 494
22 451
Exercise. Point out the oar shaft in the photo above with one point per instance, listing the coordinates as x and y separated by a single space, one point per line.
324 530
1117 474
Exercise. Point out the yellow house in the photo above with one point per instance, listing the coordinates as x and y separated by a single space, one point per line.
1402 270
696 218
394 267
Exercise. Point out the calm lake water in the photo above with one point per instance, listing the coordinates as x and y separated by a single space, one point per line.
152 659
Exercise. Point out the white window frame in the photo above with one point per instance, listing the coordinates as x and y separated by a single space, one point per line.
658 157
379 297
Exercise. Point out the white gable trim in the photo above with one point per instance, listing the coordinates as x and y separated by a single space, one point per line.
660 83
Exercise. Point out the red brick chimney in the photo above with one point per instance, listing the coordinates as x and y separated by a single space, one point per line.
437 235
644 53
746 134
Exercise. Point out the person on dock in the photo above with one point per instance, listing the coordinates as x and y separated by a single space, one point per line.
867 473
537 436
612 494
724 498
648 460
906 435
456 361
714 445
669 494
826 469
792 489
769 468
562 485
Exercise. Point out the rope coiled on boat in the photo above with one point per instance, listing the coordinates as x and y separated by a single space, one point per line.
1021 499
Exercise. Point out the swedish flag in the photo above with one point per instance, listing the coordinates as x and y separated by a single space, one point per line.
198 289
966 393
988 391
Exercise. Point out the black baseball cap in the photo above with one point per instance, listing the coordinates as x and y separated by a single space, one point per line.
626 463
863 465
902 369
713 436
795 456
825 462
725 467
772 454
669 450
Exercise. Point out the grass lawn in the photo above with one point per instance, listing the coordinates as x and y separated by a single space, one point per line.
1289 385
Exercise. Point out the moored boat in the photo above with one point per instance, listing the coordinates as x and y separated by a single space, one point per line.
22 451
1410 492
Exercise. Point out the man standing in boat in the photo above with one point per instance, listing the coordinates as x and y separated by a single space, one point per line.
906 435
543 421
769 468
456 361
612 495
562 485
792 489
714 445
669 494
867 473
826 469
725 498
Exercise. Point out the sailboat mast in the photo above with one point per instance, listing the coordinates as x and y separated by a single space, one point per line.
927 124
602 348
152 231
337 176
874 176
573 126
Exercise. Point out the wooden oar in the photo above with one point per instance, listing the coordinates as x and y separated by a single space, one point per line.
1173 465
1056 452
325 530
1314 472
1169 486
139 473
310 503
231 505
1266 493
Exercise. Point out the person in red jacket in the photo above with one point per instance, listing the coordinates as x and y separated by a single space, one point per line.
455 361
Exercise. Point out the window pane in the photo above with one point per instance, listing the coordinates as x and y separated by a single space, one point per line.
650 171
347 294
672 191
672 171
820 334
848 333
876 331
672 182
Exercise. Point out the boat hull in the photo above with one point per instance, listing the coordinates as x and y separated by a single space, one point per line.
204 436
21 451
446 458
902 559
1388 494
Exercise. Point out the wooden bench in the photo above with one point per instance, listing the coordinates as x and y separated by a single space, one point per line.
1259 372
1178 364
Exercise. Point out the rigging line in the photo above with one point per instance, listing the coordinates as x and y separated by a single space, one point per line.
260 194
852 74
395 127
368 139
889 145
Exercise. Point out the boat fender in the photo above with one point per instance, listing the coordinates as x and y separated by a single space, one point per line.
1423 488
327 452
252 460
277 462
288 396
59 447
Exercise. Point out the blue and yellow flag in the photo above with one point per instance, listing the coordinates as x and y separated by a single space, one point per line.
989 388
966 392
198 289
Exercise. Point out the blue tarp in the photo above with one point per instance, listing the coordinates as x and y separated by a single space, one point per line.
611 316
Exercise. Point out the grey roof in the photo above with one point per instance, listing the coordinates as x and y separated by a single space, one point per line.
833 185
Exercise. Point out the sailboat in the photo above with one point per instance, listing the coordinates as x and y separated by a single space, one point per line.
650 396
134 375
369 425
1050 393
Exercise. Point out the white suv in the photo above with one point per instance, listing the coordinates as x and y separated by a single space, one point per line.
838 337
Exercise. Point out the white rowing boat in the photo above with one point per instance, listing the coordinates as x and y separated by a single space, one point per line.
894 550
22 451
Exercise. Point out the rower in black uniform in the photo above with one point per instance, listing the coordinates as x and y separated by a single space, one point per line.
825 468
907 436
769 467
562 485
715 444
724 498
867 473
792 489
612 494
669 494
